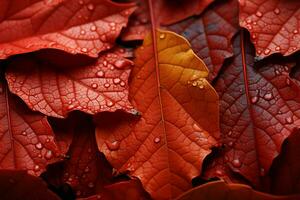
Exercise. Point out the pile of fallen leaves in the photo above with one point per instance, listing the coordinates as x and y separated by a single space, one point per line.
149 99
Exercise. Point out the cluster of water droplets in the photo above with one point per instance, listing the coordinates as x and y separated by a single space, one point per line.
196 81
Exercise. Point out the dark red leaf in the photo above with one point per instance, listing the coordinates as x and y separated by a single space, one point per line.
260 107
273 24
132 190
55 91
86 171
16 185
222 191
210 34
75 26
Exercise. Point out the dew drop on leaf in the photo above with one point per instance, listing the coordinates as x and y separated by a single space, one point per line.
113 146
254 99
39 145
236 163
157 139
106 85
268 96
277 11
162 36
116 80
84 49
100 74
93 28
258 14
48 155
289 120
94 85
90 6
36 168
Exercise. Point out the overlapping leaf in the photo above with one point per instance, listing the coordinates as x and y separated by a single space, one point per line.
165 147
259 110
210 34
20 185
222 191
55 90
86 171
273 24
165 12
75 26
27 141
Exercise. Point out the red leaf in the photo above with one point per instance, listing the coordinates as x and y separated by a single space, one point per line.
55 91
75 26
27 141
165 11
19 185
260 107
285 171
222 191
86 171
210 34
273 24
166 146
132 190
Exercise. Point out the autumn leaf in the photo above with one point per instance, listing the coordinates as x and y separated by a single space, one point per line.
259 109
55 91
179 118
85 170
27 140
166 12
20 185
222 191
75 26
210 34
132 190
273 24
283 178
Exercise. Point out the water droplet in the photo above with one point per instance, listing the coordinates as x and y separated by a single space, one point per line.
100 74
267 51
93 28
258 14
24 133
81 2
94 85
39 155
254 99
116 80
249 21
254 36
105 63
295 31
70 107
230 143
36 168
196 127
287 81
120 64
268 96
39 145
289 120
162 36
47 140
122 83
109 103
277 48
157 139
113 146
262 171
229 133
90 6
87 169
277 11
106 85
82 32
236 163
103 37
48 155
219 172
84 49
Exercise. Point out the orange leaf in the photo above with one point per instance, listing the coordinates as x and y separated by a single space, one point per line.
166 146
